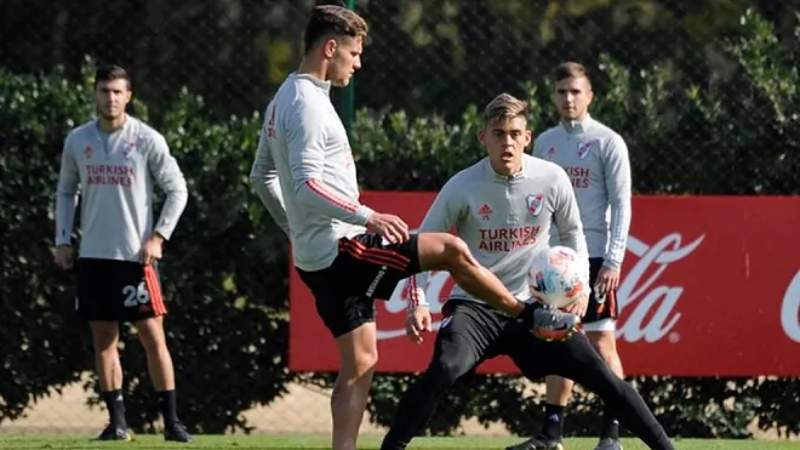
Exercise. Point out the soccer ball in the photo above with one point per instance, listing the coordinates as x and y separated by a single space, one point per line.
558 276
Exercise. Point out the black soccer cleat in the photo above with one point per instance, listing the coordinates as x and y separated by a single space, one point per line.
115 433
539 442
551 324
177 432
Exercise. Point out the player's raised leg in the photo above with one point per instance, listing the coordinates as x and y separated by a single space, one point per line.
443 251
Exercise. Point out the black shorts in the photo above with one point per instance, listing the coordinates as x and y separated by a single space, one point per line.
118 290
608 307
365 269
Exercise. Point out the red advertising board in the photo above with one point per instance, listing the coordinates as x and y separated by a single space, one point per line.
711 286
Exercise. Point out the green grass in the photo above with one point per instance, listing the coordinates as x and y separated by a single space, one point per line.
298 441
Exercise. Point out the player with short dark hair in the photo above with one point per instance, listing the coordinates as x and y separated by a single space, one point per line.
345 252
113 162
596 159
503 207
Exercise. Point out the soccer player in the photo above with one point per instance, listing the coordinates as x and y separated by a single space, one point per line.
345 252
596 160
113 162
503 207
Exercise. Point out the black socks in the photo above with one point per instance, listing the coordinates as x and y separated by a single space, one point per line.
116 407
610 425
553 426
166 401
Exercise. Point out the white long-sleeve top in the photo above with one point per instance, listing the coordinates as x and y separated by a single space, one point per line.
114 175
505 220
596 159
304 172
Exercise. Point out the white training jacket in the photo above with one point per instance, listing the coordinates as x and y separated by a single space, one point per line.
114 175
596 160
304 172
505 220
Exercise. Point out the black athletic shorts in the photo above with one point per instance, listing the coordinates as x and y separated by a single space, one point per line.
365 269
118 290
607 308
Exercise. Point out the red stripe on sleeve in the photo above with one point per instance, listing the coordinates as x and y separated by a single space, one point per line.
320 189
412 282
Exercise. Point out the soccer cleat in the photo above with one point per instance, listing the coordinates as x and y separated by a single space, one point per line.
115 433
609 444
551 324
539 442
177 432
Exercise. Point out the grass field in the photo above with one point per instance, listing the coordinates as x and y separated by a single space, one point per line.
296 441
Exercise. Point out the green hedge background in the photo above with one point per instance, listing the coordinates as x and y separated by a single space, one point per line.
226 267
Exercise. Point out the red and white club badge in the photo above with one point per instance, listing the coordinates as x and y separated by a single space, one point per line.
535 203
585 147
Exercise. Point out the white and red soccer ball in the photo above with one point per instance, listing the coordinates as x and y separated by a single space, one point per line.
558 276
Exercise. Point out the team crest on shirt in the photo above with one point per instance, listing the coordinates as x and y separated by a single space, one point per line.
535 203
88 151
551 152
129 148
485 211
585 147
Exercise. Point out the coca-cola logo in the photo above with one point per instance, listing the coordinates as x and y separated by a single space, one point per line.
654 313
790 311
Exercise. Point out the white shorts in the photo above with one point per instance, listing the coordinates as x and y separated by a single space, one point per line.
607 324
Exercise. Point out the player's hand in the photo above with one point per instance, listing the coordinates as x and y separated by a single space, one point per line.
151 250
579 306
63 257
417 321
607 281
389 226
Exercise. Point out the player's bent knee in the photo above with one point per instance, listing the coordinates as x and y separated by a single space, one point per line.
443 251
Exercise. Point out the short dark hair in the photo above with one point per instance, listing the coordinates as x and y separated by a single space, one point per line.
333 20
571 69
111 72
504 106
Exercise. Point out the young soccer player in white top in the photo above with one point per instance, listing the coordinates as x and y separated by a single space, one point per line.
503 207
345 252
113 163
596 159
